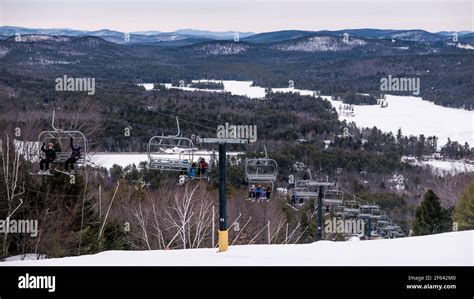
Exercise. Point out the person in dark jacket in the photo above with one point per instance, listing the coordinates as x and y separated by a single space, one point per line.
74 157
268 191
203 167
50 156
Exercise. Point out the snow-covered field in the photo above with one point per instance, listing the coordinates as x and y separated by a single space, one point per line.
108 160
413 115
448 249
447 167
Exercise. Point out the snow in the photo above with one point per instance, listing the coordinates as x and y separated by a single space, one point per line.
107 160
239 88
223 49
447 249
466 46
43 37
321 44
242 88
413 115
25 257
441 168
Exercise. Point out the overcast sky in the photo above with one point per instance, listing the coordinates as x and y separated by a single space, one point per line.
238 15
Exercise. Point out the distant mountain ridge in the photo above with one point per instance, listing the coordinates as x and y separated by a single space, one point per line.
192 36
328 60
150 36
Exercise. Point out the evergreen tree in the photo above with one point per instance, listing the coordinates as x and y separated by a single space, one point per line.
399 135
464 210
430 217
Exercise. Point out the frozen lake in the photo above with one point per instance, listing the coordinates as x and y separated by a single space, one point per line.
415 116
107 160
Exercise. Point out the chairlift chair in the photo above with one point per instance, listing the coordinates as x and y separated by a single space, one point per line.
170 153
339 212
61 142
388 228
333 197
376 212
365 212
261 170
400 233
352 206
302 183
303 193
382 228
396 231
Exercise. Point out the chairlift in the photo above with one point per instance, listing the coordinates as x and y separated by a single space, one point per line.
370 211
300 195
310 181
302 183
351 208
383 218
374 233
339 212
365 212
376 212
396 231
382 228
170 153
61 142
261 170
303 193
333 197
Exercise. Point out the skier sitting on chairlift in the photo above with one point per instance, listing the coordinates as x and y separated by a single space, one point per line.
192 170
50 153
327 209
268 192
252 192
260 192
203 167
74 157
293 199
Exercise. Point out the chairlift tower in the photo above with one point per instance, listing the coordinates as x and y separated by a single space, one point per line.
320 185
222 142
319 215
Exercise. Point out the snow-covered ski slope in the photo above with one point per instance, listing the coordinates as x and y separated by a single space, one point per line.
447 249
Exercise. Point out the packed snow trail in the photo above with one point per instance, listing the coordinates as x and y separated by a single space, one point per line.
447 249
